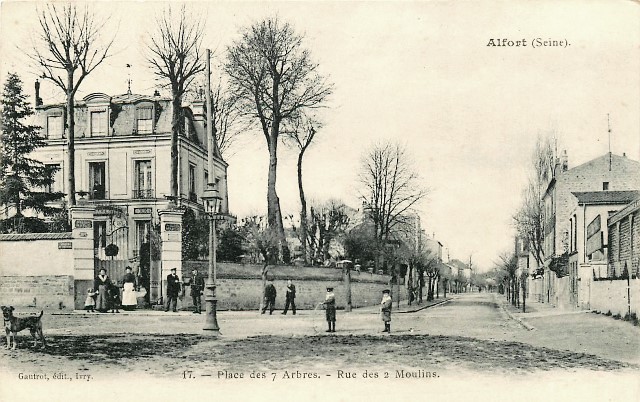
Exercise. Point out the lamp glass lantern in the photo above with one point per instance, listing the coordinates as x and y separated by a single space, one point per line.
212 201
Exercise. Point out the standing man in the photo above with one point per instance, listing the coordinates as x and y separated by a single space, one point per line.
173 289
269 297
385 309
330 309
197 288
290 298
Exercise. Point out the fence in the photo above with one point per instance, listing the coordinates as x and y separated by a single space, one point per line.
36 270
615 296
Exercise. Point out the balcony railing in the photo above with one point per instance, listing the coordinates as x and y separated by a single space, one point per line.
142 193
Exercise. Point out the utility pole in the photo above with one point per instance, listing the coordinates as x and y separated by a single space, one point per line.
609 132
212 201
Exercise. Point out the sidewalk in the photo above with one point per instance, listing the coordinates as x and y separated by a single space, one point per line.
533 310
404 307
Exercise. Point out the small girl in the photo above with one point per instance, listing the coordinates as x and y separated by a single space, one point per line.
114 293
90 301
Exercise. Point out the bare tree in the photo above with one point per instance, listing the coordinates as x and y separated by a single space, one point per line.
391 188
302 135
529 219
509 270
175 58
327 222
262 240
226 118
276 81
70 45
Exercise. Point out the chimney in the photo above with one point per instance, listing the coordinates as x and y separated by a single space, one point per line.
38 98
564 161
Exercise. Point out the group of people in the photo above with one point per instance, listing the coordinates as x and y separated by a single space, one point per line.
174 287
270 298
329 304
105 294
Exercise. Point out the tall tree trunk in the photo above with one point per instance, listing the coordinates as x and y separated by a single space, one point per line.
263 276
71 156
274 214
303 211
347 278
176 104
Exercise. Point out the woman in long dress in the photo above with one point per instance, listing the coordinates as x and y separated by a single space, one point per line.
129 299
102 285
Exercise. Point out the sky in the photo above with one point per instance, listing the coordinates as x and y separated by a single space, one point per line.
417 73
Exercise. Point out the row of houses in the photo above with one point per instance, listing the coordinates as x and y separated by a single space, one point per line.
591 237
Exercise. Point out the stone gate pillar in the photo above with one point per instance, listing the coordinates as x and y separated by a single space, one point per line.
171 254
83 254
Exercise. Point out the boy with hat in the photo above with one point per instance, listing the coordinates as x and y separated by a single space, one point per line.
330 309
385 309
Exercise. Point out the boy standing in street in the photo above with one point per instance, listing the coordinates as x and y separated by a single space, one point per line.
385 309
330 309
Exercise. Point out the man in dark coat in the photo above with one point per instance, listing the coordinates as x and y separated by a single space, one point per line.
290 298
269 298
197 288
173 289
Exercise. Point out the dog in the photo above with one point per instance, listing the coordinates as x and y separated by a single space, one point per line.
13 325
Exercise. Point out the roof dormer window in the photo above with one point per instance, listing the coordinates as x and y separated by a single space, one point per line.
54 126
99 123
144 120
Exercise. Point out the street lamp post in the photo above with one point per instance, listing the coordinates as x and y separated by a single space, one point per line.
211 204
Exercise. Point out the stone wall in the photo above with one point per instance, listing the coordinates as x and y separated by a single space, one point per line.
36 270
612 295
240 286
36 254
49 292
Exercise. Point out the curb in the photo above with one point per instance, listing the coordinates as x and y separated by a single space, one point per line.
424 307
526 326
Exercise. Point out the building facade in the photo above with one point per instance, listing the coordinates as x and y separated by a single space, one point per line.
588 240
624 242
123 170
607 173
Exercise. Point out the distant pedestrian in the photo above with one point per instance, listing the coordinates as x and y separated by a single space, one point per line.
385 309
290 298
129 299
114 298
197 288
102 284
90 301
173 290
330 309
269 298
